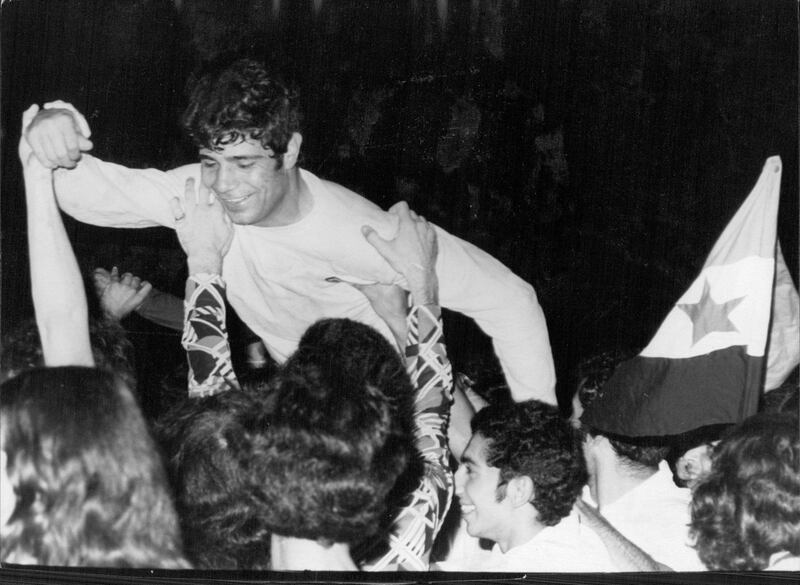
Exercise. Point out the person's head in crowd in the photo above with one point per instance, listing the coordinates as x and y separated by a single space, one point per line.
521 472
591 375
606 453
83 481
690 453
111 348
746 511
213 447
613 456
246 125
342 453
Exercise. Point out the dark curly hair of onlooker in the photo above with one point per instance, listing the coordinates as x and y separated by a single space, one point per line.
748 507
213 447
592 373
341 437
91 488
238 102
531 438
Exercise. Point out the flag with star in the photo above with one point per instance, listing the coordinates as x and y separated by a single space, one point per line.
705 364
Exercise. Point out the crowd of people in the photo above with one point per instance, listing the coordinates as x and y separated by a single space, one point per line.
348 454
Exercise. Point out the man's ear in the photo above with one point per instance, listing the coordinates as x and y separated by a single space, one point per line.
292 151
519 490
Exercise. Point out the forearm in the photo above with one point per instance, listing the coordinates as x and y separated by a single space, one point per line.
163 309
205 336
625 555
418 523
431 376
57 288
459 431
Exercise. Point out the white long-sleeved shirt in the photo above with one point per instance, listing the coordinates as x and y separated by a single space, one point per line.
277 275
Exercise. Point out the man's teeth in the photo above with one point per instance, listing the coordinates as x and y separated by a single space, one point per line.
236 201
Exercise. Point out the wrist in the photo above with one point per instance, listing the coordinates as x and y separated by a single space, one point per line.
32 168
426 290
204 263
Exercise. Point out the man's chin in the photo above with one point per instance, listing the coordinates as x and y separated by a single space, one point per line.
240 218
472 530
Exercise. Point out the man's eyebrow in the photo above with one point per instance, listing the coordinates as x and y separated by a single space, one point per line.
468 460
245 157
235 157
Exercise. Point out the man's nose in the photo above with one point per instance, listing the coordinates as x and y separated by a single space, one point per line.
224 180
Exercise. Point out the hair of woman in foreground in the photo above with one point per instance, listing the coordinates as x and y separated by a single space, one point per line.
89 486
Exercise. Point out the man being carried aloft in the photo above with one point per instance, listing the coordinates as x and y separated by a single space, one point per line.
297 240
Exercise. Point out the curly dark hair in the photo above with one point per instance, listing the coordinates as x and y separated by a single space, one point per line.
90 484
241 101
748 507
341 441
531 438
213 447
593 372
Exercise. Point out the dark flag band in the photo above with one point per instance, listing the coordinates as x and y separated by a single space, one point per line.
650 396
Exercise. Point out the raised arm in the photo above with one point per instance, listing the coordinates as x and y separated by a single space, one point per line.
59 298
412 253
205 233
94 191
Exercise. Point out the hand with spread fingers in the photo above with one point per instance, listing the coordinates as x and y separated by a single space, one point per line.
412 253
119 296
204 230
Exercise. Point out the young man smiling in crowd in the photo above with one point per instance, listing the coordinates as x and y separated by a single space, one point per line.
517 485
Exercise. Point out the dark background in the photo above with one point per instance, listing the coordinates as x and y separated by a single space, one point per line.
597 148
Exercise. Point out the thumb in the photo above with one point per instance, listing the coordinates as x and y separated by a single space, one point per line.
84 144
101 275
375 240
28 116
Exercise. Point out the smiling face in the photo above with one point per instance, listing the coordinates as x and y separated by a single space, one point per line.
476 488
253 187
